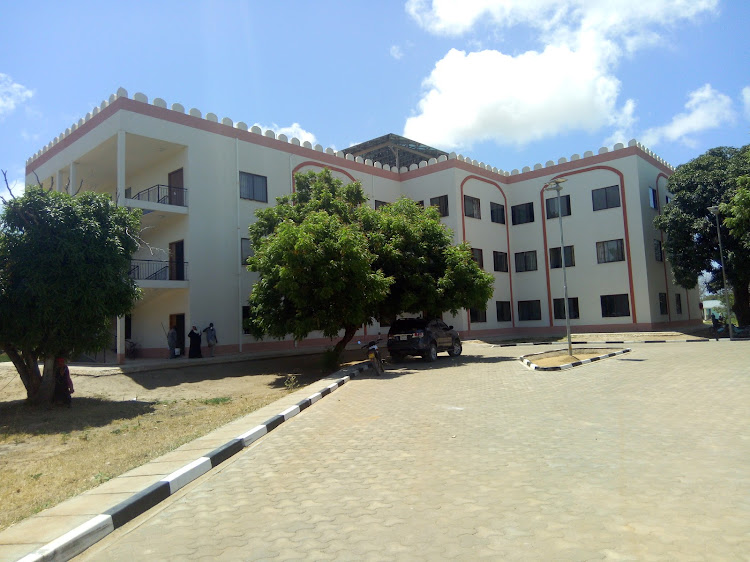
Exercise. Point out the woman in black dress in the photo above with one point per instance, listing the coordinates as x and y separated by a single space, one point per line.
195 343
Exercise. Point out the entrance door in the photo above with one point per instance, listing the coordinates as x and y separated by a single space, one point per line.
176 194
177 260
178 321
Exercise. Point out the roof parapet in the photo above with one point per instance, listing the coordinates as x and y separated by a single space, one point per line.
228 122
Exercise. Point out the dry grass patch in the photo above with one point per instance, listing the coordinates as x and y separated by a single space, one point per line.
119 422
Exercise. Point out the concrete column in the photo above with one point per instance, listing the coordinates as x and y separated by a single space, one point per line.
59 181
120 196
73 186
120 340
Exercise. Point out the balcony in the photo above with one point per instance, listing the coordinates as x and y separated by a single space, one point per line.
162 194
158 270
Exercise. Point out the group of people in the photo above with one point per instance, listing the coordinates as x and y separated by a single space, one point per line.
195 337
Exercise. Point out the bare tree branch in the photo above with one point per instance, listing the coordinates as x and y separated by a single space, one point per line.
79 188
7 186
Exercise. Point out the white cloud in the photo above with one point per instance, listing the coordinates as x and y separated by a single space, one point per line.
293 130
12 94
746 100
396 52
706 108
514 100
569 83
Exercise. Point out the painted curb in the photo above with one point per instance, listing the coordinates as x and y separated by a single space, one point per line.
535 367
622 342
85 535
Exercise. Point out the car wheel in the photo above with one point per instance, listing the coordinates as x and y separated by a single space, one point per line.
431 354
456 350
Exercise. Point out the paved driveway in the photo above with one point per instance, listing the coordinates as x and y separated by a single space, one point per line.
644 456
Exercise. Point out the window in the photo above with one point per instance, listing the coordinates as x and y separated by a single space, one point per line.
658 253
253 187
615 305
653 201
678 303
606 197
503 311
478 315
497 213
663 308
529 310
471 207
610 250
501 261
555 259
245 316
521 214
129 326
526 261
476 255
667 199
559 306
552 206
246 249
441 203
379 204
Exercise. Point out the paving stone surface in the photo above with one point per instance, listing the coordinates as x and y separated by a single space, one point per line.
643 456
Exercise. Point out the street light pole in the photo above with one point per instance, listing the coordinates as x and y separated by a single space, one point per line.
714 210
554 185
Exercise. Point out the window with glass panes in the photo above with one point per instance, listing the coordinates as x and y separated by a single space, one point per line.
615 305
555 257
606 197
497 213
471 207
441 203
559 308
253 187
526 261
523 213
503 311
610 250
529 310
501 261
551 205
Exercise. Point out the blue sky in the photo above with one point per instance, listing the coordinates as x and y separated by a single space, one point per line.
506 82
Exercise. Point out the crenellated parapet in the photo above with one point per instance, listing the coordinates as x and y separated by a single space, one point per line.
270 134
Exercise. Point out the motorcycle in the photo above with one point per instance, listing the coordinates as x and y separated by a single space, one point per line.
373 355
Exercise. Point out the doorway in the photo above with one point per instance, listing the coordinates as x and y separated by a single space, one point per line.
176 195
177 261
178 321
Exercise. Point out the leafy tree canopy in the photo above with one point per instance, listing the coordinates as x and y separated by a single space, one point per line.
328 262
737 212
692 244
64 265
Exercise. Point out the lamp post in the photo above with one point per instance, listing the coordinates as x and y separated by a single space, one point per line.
554 185
714 210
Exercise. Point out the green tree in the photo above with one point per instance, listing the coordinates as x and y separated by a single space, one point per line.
430 274
737 212
329 262
64 265
691 240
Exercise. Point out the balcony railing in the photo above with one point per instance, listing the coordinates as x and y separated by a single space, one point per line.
158 270
163 194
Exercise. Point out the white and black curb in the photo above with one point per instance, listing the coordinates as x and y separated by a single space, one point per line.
82 537
535 367
607 342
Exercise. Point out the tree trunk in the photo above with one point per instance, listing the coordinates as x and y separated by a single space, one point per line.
39 388
742 302
349 332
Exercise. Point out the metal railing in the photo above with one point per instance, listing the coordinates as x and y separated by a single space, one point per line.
163 194
159 270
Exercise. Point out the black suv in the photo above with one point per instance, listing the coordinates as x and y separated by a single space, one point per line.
417 336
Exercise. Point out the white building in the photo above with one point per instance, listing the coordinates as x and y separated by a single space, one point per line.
200 179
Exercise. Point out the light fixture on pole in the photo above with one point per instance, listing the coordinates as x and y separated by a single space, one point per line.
554 185
714 210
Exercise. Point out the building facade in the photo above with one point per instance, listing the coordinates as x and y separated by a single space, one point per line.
199 181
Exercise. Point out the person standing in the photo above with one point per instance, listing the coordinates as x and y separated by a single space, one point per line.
63 384
195 343
211 338
172 341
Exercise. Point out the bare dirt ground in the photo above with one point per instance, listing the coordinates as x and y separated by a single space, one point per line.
561 357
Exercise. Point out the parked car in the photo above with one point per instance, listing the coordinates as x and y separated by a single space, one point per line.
418 336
